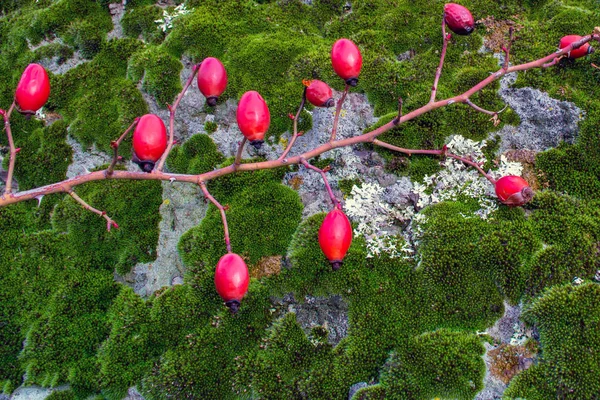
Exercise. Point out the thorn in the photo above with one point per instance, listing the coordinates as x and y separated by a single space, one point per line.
39 199
448 36
291 116
226 207
18 149
113 144
172 179
327 168
119 158
300 133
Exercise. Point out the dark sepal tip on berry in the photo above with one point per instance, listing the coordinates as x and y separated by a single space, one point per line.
329 103
257 144
233 306
336 264
352 82
212 101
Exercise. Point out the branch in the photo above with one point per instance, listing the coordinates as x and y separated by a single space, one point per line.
494 114
66 185
13 150
115 145
172 109
338 109
396 120
438 71
296 134
507 49
109 222
238 156
221 210
335 201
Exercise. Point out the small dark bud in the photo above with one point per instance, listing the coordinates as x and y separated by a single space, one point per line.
352 82
257 143
233 306
591 50
146 166
329 103
211 101
335 265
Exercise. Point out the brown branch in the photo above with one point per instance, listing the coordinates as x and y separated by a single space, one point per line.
221 210
338 109
507 49
494 114
66 185
335 201
172 109
396 120
296 134
238 156
13 150
115 145
438 71
110 223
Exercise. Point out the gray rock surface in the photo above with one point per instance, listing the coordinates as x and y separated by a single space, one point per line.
85 160
117 10
33 392
545 122
133 394
355 388
53 64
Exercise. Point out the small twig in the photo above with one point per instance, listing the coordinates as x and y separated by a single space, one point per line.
172 109
595 66
335 201
338 109
221 210
438 71
13 150
115 145
494 114
396 120
110 223
238 156
295 135
553 62
507 49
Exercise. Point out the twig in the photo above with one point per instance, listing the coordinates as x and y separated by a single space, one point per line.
221 210
554 62
396 120
238 156
338 109
335 201
115 145
438 71
507 49
13 150
172 109
494 114
109 221
295 135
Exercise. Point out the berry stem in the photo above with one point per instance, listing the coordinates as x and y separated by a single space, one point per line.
110 223
172 109
238 156
295 135
338 109
221 210
115 145
306 164
438 72
13 150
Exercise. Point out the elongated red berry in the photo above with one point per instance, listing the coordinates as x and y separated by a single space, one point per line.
212 79
33 89
579 52
335 237
231 280
149 141
513 190
346 61
458 19
253 117
318 93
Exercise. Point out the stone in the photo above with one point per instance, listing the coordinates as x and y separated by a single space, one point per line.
355 388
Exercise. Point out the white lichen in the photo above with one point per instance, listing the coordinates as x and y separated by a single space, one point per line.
166 22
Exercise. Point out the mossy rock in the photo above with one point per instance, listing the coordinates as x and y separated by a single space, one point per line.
197 155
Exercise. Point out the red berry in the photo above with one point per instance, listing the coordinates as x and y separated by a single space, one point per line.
346 60
253 117
578 52
212 79
513 190
33 89
149 141
335 237
231 280
458 19
318 93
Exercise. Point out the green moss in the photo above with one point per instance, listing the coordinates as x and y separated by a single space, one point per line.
62 395
197 155
140 21
210 127
346 185
158 71
62 52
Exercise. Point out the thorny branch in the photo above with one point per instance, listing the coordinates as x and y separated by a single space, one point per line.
115 145
296 134
335 201
67 186
13 150
338 109
110 223
221 210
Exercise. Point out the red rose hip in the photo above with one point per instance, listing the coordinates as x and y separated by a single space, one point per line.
513 190
335 237
318 93
33 89
346 61
253 117
579 52
458 19
212 80
149 141
231 280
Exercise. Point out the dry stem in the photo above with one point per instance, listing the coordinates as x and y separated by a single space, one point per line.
295 135
110 223
338 109
438 71
335 201
115 145
221 210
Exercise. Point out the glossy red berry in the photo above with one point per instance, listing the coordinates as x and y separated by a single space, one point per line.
33 89
579 52
346 61
149 141
318 93
458 19
253 117
513 190
231 280
335 237
212 80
